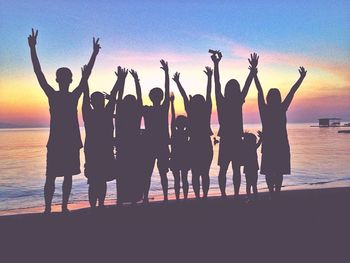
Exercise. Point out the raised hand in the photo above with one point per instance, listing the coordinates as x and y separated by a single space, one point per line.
121 72
253 61
96 45
32 38
253 70
172 97
164 65
85 72
260 134
208 71
216 57
134 74
302 72
176 77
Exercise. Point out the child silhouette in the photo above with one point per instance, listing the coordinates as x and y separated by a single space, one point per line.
64 142
98 147
130 184
157 133
250 162
179 156
229 108
275 159
198 111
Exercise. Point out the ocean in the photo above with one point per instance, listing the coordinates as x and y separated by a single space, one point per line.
320 158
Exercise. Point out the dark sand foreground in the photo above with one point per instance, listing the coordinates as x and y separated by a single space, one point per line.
303 226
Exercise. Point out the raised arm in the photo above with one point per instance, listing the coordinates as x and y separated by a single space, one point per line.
90 65
216 59
166 85
287 101
172 98
86 99
137 86
176 78
119 84
253 61
209 72
261 99
36 64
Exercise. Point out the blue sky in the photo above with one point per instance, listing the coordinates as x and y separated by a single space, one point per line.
316 31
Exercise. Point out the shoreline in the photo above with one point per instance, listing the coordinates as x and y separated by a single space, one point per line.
83 205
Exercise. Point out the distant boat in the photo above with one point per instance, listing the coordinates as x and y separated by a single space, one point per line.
344 131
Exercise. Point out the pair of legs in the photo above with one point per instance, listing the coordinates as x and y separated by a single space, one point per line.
180 175
236 178
251 183
49 190
274 183
162 168
97 192
196 175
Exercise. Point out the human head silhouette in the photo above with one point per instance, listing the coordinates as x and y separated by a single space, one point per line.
129 102
156 96
181 123
97 100
232 89
249 139
273 97
64 78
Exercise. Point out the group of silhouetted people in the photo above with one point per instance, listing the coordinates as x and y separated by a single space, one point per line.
116 148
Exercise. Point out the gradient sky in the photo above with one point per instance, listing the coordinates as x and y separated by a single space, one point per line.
136 34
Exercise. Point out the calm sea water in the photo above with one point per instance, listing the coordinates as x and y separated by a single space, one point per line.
320 158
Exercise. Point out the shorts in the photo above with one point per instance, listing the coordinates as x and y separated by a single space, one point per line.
61 162
230 150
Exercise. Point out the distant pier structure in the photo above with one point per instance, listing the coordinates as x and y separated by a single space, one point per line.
330 122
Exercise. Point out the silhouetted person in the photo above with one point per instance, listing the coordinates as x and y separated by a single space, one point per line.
250 162
157 132
131 174
179 156
201 150
229 108
275 160
64 142
98 147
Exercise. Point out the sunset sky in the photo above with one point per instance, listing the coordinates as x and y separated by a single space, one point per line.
137 34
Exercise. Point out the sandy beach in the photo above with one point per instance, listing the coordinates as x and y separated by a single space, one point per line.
303 226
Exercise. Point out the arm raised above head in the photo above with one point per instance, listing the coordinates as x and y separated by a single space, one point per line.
216 57
253 61
287 101
90 65
36 64
118 87
173 116
137 86
86 108
261 99
209 72
176 78
165 67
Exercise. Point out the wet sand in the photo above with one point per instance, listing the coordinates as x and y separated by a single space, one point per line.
302 226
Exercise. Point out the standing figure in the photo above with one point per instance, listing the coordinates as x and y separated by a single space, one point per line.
198 111
229 108
250 162
64 144
98 147
130 173
180 155
157 133
275 159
